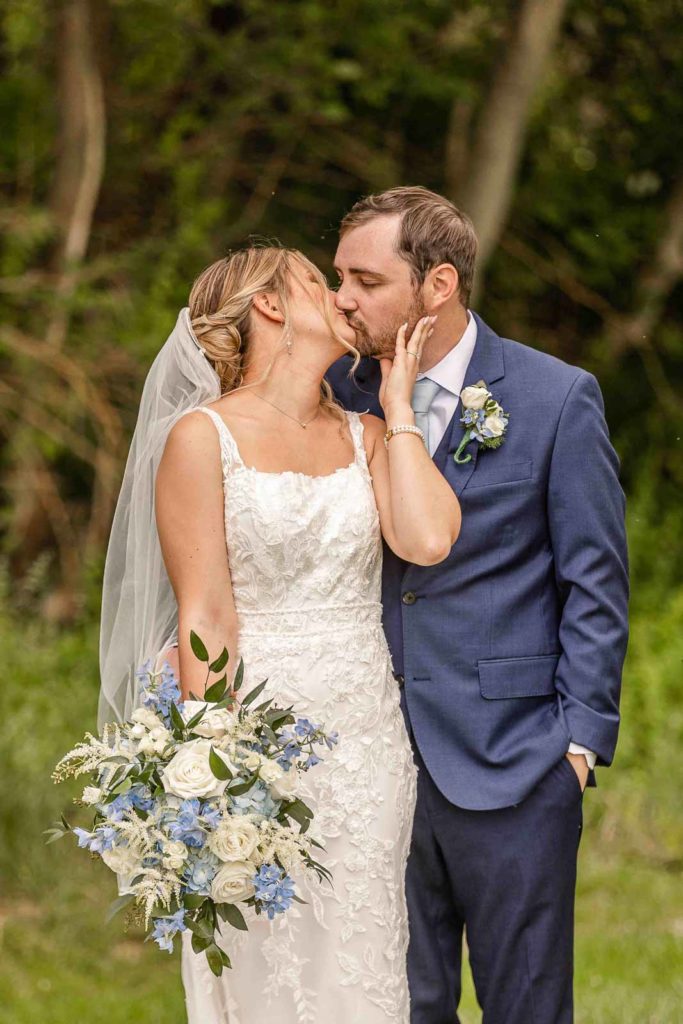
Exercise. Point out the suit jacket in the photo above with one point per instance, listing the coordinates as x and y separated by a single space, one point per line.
514 645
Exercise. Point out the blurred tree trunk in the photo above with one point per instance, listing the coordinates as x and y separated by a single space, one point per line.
80 150
76 186
488 173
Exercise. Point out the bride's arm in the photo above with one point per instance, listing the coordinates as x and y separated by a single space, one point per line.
190 523
419 511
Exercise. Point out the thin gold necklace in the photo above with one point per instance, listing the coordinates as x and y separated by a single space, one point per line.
295 418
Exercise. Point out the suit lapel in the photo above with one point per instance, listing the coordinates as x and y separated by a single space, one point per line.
487 364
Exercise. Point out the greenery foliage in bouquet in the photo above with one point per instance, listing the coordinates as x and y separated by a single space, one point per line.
195 805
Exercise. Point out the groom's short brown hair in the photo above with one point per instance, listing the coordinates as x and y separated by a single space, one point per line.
433 231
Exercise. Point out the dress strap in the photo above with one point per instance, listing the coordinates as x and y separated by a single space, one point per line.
229 451
357 431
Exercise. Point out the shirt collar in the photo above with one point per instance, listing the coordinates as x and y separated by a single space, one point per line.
450 371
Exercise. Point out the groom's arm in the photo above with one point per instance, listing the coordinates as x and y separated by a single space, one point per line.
586 519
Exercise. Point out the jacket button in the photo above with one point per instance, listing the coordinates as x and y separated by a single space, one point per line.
409 597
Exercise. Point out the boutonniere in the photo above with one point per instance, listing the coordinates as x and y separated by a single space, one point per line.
486 421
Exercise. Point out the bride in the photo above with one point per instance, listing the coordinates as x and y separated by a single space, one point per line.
267 503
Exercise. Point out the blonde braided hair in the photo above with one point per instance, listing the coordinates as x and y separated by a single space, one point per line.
221 301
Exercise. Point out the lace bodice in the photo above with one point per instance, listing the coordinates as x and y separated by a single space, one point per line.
297 572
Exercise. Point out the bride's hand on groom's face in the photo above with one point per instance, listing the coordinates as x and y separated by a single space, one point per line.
399 373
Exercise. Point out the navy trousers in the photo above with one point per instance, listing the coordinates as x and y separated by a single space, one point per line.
507 879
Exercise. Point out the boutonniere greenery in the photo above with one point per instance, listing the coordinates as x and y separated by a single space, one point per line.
484 419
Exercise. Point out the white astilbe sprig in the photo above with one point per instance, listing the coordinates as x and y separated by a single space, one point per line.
283 842
91 752
156 887
139 833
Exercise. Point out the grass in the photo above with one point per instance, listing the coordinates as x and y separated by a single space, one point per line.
59 961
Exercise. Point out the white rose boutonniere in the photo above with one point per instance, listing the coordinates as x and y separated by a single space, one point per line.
486 421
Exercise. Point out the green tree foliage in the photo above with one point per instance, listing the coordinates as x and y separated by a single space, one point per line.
224 120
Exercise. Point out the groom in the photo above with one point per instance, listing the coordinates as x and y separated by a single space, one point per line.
508 653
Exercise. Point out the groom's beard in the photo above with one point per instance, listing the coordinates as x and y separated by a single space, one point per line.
383 343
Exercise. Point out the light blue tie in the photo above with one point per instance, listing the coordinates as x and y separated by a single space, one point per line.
424 393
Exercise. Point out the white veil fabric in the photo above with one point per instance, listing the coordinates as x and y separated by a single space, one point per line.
139 615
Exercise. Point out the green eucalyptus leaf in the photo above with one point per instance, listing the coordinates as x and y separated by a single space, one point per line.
177 720
198 647
242 787
233 915
253 694
239 676
193 900
200 943
218 766
221 661
196 719
215 960
217 690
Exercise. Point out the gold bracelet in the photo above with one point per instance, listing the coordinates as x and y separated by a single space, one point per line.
403 428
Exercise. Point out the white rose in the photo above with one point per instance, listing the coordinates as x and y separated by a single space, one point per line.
270 772
146 717
91 794
189 774
175 854
147 745
138 731
233 882
252 761
474 397
161 737
285 787
214 725
235 839
495 424
124 860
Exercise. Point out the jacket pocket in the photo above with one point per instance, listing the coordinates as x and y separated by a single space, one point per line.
501 678
487 474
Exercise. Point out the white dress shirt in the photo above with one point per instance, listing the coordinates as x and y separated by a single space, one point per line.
449 374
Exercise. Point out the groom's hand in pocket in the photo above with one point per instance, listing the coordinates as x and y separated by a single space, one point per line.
580 766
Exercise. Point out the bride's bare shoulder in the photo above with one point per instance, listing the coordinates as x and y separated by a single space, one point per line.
192 434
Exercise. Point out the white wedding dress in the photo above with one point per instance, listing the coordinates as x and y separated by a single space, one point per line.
305 560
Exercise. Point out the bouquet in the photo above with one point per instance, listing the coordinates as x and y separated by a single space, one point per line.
195 805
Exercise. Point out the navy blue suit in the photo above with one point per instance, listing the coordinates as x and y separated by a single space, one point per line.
508 650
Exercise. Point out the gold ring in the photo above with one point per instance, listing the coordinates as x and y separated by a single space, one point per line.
409 353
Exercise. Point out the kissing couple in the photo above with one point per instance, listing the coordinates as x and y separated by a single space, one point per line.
414 530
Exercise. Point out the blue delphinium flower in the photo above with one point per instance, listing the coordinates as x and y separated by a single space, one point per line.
257 800
117 808
331 740
199 872
304 728
187 827
158 694
141 797
273 890
166 928
292 749
101 839
312 761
